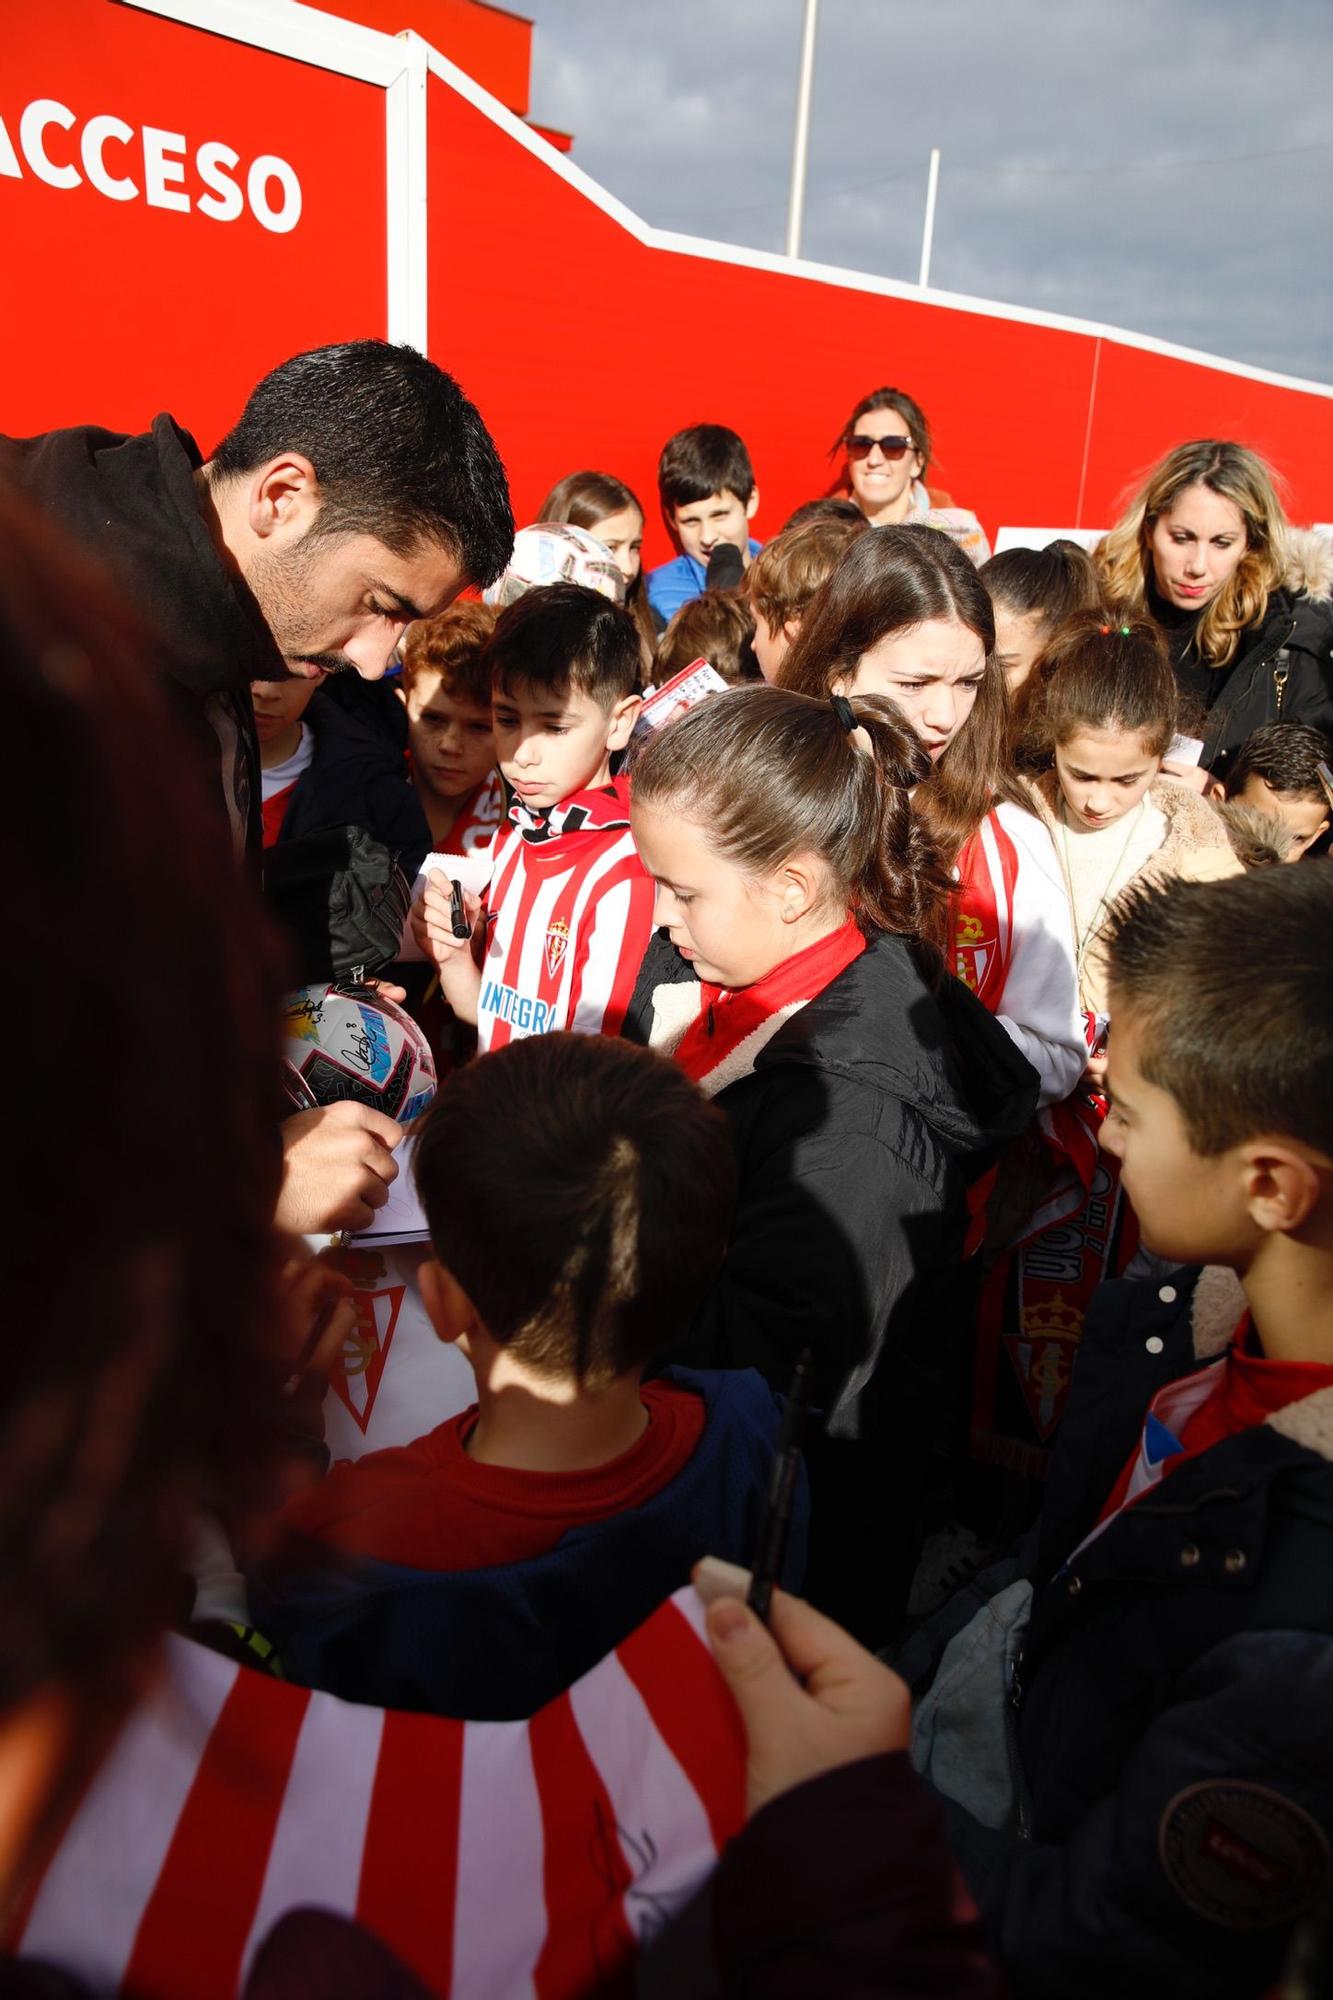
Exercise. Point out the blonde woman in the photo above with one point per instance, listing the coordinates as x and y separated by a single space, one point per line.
1239 597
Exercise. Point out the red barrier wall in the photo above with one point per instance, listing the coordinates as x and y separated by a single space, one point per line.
111 310
586 347
584 337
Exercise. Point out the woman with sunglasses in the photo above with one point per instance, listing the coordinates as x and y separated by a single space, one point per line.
886 441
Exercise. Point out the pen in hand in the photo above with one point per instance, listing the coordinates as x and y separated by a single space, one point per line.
776 1523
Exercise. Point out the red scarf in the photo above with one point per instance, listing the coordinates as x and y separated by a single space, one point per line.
1220 1401
727 1015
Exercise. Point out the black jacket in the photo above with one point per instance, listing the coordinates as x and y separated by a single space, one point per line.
1173 1699
857 1132
131 501
357 774
1282 672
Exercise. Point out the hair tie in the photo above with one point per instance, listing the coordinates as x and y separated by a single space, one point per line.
844 712
1105 631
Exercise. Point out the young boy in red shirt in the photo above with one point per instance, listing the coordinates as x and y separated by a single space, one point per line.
446 691
569 909
579 1193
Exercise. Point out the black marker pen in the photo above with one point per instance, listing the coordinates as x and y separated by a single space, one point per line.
776 1522
457 914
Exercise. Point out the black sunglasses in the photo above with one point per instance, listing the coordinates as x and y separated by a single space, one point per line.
891 447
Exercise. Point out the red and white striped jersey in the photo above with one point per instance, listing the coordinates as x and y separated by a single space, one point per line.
568 919
516 1858
1014 944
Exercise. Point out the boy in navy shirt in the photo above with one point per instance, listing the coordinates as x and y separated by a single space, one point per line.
579 1193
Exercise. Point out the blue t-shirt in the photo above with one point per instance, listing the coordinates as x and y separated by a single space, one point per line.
680 581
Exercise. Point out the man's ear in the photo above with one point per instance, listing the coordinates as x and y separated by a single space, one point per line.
623 718
1284 1183
790 627
448 1307
752 504
283 498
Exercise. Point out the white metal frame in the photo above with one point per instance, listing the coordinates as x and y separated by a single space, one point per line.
400 63
397 64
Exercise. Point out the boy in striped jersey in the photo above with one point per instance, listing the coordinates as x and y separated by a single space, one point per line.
569 908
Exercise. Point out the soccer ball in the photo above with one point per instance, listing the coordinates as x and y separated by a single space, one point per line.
347 1043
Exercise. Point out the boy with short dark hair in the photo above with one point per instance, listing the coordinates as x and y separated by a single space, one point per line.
579 1193
1166 1825
705 482
1276 772
569 908
446 691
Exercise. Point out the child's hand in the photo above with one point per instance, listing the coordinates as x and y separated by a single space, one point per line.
1094 1076
433 924
849 1707
318 1317
1193 775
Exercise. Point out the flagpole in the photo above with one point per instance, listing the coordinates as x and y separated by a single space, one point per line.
801 137
928 230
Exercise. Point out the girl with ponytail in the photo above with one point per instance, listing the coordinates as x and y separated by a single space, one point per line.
906 615
797 976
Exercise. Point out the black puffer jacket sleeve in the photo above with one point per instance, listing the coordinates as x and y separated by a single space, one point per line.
1185 1881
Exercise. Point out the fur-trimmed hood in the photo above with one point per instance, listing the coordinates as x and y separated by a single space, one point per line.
1214 1314
1258 839
1309 564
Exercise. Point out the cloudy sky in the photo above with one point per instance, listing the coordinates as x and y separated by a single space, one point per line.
1164 165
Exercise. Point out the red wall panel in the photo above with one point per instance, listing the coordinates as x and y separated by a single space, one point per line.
584 347
112 310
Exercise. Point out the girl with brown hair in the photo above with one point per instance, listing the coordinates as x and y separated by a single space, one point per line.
1106 709
797 978
905 615
606 507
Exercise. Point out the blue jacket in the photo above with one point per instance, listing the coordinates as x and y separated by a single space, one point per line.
679 582
495 1644
1172 1705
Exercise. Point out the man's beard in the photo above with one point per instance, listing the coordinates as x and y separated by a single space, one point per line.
281 583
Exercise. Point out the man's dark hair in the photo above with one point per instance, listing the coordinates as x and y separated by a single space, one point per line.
563 635
703 459
581 1191
399 451
1287 756
1228 984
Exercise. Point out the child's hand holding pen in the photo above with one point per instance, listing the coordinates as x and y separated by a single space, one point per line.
810 1697
443 922
444 919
